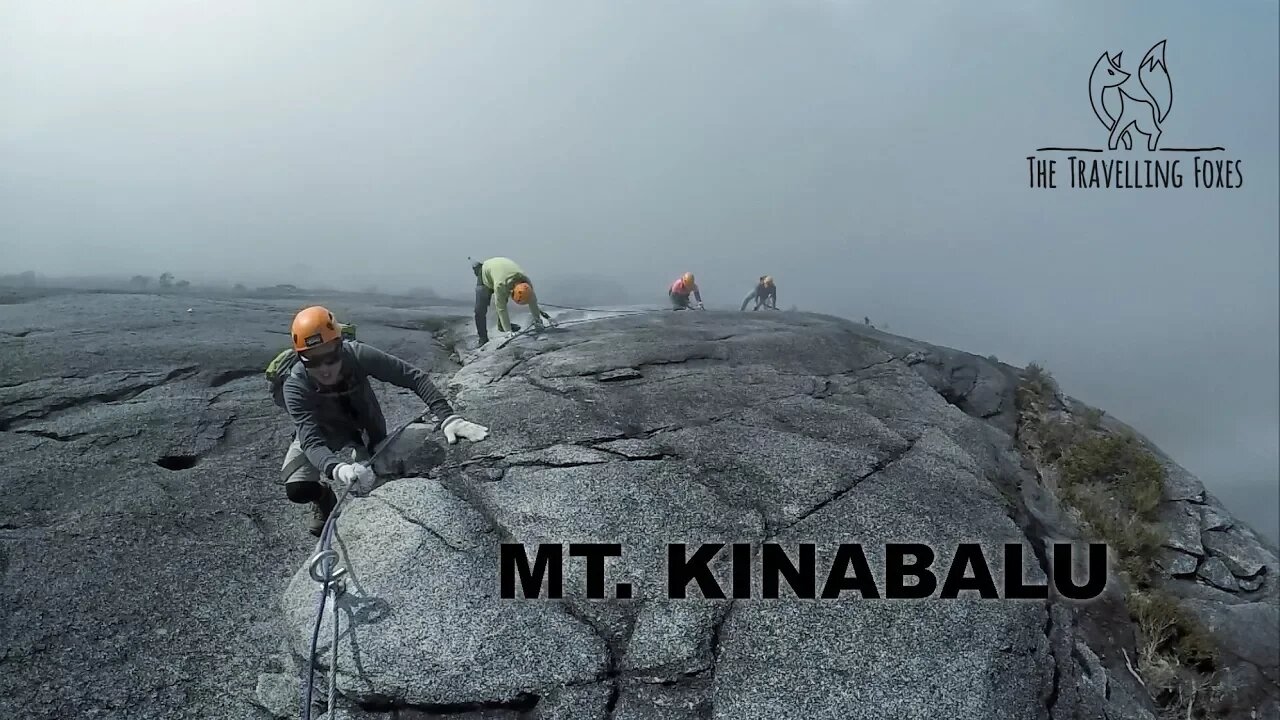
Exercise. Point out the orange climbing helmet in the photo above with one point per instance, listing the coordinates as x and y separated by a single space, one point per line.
314 326
522 292
687 279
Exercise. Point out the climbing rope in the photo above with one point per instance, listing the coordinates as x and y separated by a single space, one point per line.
599 310
333 661
534 329
322 568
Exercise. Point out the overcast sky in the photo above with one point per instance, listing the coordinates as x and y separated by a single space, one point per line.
870 156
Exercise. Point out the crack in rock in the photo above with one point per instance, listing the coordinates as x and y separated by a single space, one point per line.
630 449
1051 699
634 371
1243 558
613 653
505 373
994 413
522 703
1212 519
716 630
118 395
1215 572
547 465
1092 670
52 435
627 373
962 380
1035 532
1252 584
628 432
214 398
880 466
693 358
430 530
632 436
873 366
684 678
226 376
545 386
464 490
1177 563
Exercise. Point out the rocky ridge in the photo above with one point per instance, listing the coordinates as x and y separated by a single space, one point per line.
788 428
144 541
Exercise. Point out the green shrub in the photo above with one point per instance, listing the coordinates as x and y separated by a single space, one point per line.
1057 437
1038 381
1116 486
1121 462
1171 630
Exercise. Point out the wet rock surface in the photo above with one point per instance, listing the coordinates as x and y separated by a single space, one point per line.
156 570
707 428
144 538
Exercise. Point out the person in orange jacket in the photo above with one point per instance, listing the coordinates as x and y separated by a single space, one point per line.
680 291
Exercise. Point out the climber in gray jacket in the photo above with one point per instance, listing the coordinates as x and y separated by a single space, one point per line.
765 295
334 409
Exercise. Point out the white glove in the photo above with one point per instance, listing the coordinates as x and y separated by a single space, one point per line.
357 476
455 427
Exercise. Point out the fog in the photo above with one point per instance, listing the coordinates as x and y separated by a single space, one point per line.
870 156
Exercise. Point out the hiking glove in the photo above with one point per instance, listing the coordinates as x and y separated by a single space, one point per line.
455 427
357 476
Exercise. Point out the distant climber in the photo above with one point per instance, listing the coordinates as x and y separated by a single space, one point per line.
680 291
334 409
499 279
765 294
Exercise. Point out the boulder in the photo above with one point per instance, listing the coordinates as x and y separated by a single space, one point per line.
1177 563
1182 521
1242 555
1249 632
147 541
777 431
1215 572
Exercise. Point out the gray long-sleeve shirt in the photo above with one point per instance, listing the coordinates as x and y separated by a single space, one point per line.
327 420
763 294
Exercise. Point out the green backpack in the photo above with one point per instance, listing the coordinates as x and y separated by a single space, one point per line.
278 369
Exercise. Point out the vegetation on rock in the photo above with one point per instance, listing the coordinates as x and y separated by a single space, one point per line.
1114 487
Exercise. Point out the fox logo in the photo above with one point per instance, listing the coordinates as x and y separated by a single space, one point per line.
1124 103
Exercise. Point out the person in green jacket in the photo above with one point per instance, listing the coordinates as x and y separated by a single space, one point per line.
501 279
